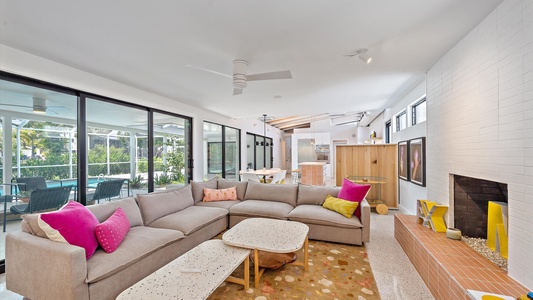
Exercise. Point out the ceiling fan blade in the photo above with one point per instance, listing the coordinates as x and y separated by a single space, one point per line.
16 105
271 75
237 92
208 70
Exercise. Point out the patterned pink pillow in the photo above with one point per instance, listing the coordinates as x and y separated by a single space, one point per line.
112 231
220 195
354 192
73 224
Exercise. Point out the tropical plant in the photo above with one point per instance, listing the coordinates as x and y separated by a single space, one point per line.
136 182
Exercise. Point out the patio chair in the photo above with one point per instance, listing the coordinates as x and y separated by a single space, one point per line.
108 189
31 183
43 200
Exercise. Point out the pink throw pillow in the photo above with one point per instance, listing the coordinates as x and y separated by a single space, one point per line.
112 231
220 195
354 192
73 224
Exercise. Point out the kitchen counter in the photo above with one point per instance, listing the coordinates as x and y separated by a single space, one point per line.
315 163
313 172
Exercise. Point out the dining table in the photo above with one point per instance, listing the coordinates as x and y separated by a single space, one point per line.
263 172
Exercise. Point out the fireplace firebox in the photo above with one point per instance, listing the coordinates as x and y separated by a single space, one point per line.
471 198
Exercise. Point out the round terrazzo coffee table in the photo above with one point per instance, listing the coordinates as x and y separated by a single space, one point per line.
270 235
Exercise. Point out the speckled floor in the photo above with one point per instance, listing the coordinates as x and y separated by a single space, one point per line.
395 276
394 273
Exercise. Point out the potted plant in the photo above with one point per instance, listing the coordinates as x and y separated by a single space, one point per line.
24 196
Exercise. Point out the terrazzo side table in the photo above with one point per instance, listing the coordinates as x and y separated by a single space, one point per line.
194 275
270 235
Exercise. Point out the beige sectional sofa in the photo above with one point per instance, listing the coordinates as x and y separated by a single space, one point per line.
164 225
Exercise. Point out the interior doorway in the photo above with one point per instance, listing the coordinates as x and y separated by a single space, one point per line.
333 155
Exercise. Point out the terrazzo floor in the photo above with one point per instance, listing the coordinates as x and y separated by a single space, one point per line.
395 276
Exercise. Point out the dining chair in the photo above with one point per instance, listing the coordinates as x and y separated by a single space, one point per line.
277 178
250 176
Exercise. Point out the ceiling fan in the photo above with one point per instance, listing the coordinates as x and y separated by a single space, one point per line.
240 78
38 107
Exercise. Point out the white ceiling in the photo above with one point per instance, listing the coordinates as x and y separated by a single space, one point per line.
148 44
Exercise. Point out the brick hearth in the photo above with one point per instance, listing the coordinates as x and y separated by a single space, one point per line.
450 267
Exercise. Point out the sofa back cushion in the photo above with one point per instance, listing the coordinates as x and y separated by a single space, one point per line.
198 188
241 186
314 194
103 211
286 193
156 205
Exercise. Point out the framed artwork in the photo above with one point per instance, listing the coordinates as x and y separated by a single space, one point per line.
403 157
417 161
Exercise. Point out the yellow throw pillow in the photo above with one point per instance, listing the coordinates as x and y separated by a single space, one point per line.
220 195
343 207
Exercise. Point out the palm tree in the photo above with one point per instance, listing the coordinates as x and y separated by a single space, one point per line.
31 139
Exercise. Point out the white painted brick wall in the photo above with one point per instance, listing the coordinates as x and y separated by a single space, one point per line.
480 120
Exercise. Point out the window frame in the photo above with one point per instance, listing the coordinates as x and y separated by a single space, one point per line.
413 110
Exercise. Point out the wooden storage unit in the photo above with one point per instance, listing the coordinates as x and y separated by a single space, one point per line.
371 161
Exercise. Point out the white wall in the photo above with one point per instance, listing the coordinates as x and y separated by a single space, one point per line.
25 64
409 192
480 120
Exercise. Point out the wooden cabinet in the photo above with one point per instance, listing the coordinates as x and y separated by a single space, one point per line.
370 161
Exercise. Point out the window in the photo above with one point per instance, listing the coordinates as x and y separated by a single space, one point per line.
223 151
418 111
259 152
401 121
388 131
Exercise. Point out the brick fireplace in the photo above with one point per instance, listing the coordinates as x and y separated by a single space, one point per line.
471 197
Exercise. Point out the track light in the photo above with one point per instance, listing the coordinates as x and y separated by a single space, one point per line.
363 56
367 59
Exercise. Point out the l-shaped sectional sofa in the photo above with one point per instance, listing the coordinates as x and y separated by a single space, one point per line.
164 225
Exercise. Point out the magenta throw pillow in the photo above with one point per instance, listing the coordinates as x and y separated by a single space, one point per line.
354 192
73 224
112 231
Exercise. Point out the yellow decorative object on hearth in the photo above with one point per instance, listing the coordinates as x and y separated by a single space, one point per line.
431 214
497 228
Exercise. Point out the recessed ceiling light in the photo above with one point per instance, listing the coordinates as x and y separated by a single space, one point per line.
277 97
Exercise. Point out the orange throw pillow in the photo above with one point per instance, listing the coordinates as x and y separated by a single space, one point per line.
220 195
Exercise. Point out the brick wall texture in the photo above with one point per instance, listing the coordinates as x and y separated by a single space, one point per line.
480 120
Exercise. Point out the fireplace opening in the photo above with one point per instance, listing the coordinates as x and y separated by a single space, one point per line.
470 205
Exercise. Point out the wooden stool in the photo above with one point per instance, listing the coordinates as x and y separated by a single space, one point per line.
382 209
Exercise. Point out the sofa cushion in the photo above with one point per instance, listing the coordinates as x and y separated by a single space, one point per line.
314 214
190 219
286 193
259 208
129 206
343 207
156 205
211 195
221 204
198 188
315 194
112 231
354 192
73 224
241 186
139 242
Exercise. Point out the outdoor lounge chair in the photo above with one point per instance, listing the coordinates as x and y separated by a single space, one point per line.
43 200
31 183
108 189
